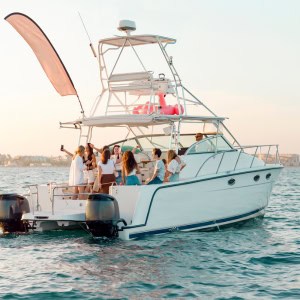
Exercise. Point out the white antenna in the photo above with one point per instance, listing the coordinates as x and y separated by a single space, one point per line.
91 45
127 26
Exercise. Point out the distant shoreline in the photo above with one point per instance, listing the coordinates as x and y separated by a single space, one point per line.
6 160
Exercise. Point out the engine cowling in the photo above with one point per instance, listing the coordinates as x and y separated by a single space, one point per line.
102 215
12 207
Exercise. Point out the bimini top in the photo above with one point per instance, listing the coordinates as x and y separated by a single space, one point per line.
135 40
139 120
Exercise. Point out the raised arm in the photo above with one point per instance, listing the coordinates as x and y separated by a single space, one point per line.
67 152
135 148
97 149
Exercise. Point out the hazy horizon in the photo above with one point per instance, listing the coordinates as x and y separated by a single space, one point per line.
240 57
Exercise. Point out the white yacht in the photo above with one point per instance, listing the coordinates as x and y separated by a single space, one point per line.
146 100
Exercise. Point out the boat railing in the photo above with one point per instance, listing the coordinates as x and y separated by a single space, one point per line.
32 194
57 191
138 84
257 152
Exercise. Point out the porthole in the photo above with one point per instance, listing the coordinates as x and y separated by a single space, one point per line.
268 176
231 181
256 177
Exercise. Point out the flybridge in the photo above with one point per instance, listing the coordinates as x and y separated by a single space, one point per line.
141 92
139 98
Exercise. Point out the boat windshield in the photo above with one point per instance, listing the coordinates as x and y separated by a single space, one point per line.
148 142
211 144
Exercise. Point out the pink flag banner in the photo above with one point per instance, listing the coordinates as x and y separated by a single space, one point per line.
44 51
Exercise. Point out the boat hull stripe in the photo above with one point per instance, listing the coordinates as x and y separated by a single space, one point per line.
197 225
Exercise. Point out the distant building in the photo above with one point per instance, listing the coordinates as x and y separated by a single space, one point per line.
290 160
46 165
10 164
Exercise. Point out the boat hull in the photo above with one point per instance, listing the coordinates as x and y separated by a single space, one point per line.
198 203
203 203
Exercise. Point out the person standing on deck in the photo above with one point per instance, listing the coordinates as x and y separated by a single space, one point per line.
106 170
76 178
129 169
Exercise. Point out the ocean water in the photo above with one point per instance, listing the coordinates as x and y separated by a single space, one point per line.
259 259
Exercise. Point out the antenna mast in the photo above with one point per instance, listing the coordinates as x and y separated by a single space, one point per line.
91 45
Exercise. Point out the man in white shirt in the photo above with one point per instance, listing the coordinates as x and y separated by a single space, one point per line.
159 170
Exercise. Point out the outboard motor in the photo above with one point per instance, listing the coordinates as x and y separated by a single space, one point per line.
12 207
102 215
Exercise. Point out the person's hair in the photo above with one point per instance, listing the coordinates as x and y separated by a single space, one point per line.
89 149
105 156
157 151
199 133
105 148
171 154
113 149
128 163
164 161
80 150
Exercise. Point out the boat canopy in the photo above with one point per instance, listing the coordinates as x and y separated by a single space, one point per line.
140 120
135 40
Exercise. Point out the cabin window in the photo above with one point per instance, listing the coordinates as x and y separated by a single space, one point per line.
256 177
231 181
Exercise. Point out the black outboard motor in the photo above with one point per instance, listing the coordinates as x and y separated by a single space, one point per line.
12 207
102 215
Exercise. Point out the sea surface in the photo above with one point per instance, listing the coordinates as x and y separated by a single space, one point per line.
257 260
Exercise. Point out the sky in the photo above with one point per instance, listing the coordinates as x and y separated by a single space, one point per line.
241 58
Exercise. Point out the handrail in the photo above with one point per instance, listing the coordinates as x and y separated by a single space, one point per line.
241 148
37 196
53 194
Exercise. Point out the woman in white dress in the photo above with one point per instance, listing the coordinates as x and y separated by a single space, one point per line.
175 165
76 178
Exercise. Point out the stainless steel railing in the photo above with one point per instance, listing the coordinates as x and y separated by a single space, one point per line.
55 193
242 150
37 207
